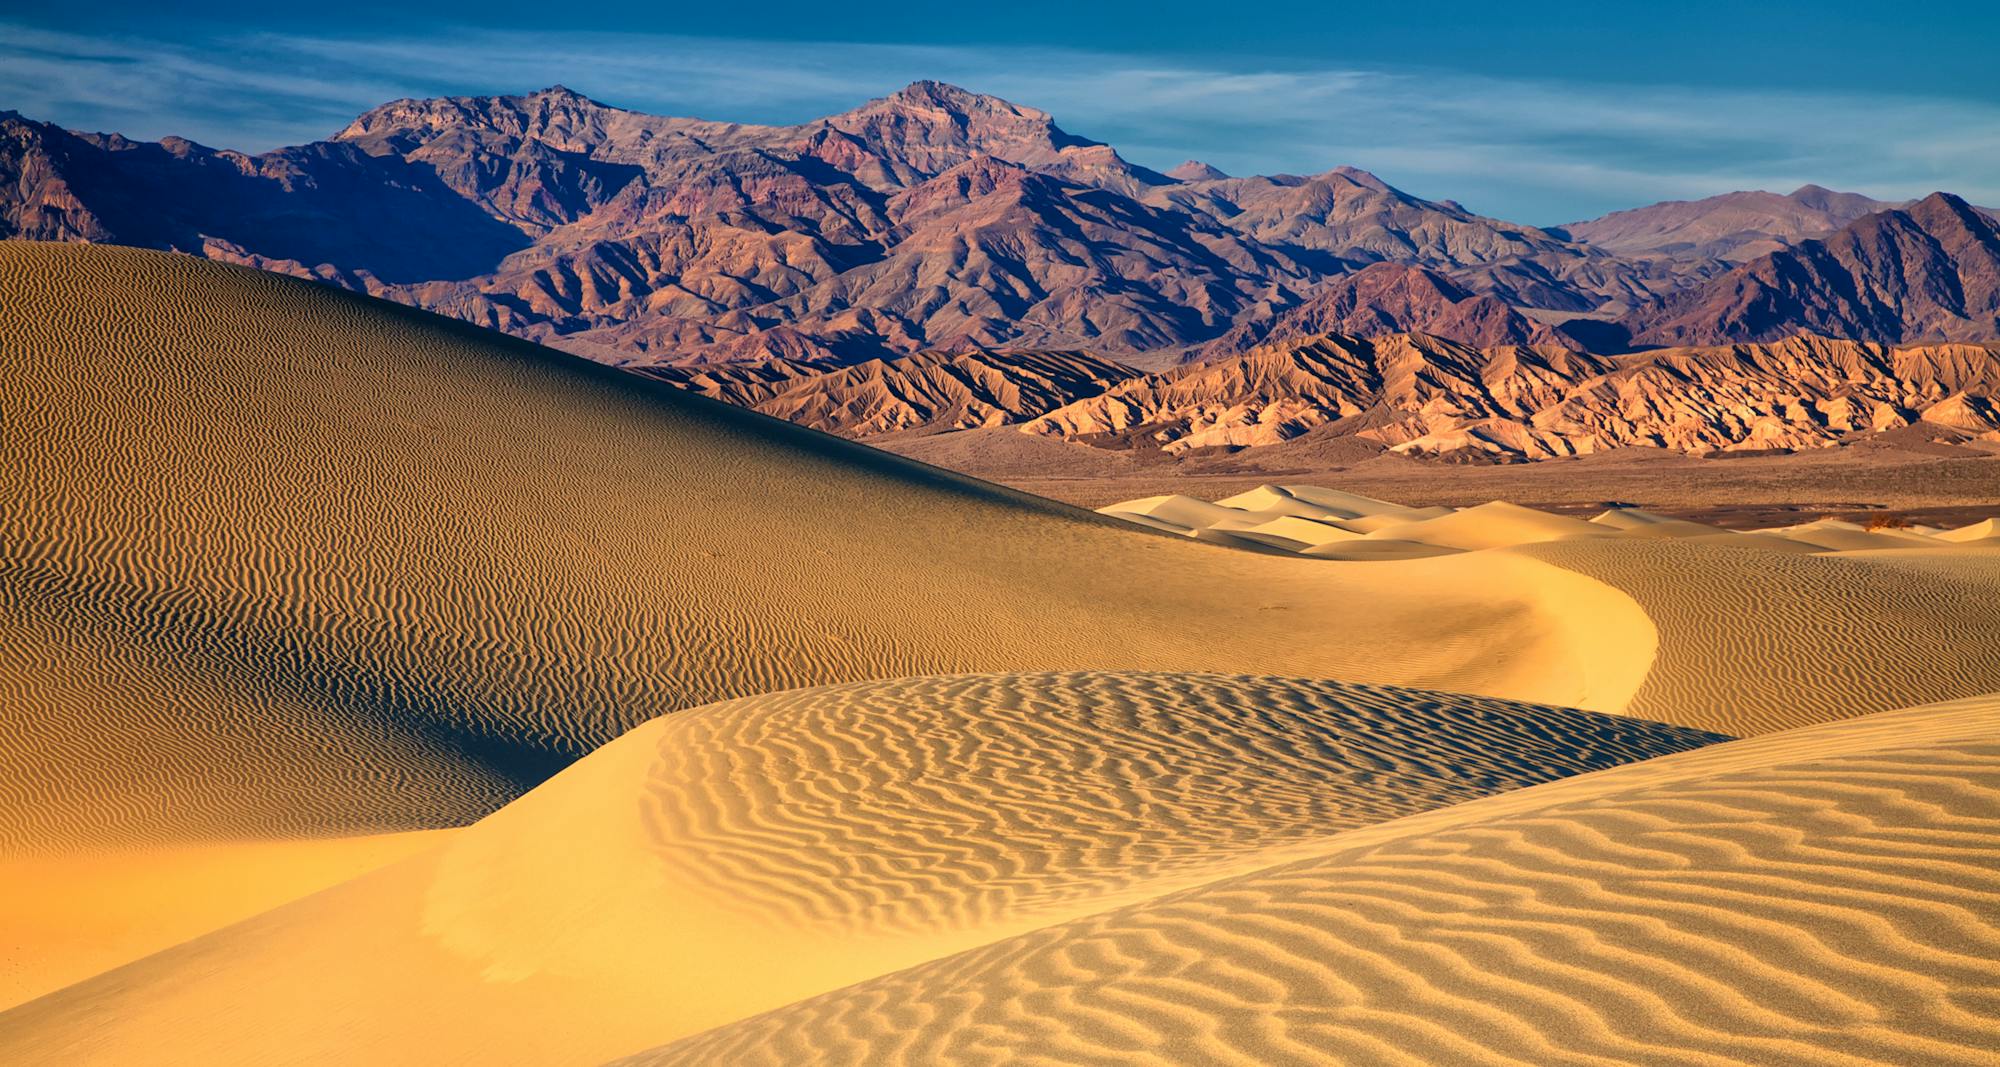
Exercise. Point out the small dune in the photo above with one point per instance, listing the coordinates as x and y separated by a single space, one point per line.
739 856
1272 516
1495 525
1823 896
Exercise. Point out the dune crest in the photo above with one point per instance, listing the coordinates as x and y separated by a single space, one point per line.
474 560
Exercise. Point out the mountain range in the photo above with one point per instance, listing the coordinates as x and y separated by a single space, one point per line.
940 219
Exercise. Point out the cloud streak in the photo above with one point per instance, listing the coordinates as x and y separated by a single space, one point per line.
1532 148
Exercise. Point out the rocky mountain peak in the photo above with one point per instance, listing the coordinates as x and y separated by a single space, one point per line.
1194 170
949 97
1943 212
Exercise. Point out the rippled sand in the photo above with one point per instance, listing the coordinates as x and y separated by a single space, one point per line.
732 858
1819 896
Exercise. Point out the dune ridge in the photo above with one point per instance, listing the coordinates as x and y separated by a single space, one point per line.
279 564
1815 896
1758 631
1771 640
235 497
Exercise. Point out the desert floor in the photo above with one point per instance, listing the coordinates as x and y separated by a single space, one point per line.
1900 475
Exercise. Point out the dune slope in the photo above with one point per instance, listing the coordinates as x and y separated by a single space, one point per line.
734 857
71 916
1817 896
1753 641
279 561
1757 631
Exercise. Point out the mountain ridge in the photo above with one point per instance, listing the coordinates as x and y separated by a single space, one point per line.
930 217
1926 272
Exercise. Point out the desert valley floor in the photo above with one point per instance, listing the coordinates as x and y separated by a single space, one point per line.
380 689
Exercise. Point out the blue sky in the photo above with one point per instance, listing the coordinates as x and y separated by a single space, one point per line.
1543 113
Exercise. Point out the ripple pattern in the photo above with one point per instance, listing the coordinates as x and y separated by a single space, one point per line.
737 857
941 802
1834 907
277 560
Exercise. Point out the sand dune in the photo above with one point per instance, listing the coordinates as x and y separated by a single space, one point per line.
435 565
1987 530
1754 640
1493 525
285 572
739 856
1343 522
280 563
1818 896
1757 631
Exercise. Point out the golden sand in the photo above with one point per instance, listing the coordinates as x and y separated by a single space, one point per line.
736 857
1818 896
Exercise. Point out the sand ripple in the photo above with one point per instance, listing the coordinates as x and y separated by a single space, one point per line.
1828 897
732 858
933 802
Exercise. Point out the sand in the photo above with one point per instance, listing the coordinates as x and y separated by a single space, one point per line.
1818 896
1335 524
73 916
739 856
1757 631
380 689
236 498
1753 640
281 563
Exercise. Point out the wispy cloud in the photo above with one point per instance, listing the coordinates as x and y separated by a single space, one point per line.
1532 148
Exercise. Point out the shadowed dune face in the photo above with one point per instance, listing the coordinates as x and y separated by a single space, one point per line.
1820 896
283 561
737 856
